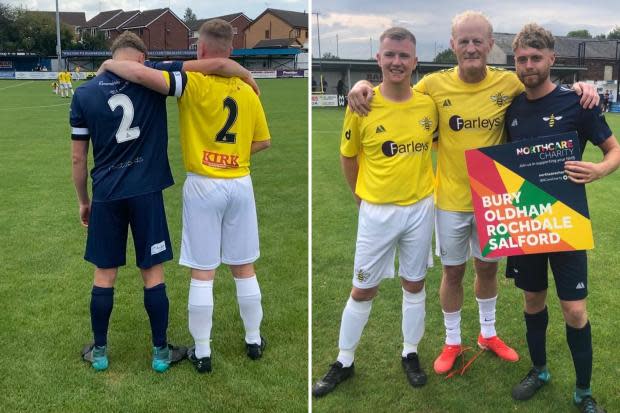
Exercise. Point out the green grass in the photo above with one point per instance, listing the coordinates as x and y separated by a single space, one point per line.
379 383
45 287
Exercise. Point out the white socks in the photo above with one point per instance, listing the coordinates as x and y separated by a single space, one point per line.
354 319
250 308
452 321
486 309
200 307
414 312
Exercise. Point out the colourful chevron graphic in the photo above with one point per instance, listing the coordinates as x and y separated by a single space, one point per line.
523 201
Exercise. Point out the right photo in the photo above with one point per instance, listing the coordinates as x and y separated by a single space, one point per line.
463 193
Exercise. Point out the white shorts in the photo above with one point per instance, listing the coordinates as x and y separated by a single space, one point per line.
456 237
219 222
63 85
381 228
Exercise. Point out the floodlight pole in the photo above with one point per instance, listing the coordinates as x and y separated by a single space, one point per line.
318 36
58 46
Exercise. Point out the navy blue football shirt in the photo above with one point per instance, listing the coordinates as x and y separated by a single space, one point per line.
129 131
557 112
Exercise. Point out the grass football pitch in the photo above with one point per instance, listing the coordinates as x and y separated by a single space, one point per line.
379 383
45 283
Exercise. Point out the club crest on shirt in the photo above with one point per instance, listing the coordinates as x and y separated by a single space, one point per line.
500 99
551 120
426 123
361 275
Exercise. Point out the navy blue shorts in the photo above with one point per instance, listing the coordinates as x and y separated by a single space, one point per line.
107 231
570 271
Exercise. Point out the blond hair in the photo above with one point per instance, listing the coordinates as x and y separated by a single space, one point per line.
218 33
535 36
128 40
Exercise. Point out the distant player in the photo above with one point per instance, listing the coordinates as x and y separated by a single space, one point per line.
61 83
386 160
69 83
55 87
128 128
528 117
222 123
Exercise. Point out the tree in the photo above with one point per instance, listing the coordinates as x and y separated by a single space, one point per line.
89 42
37 33
614 34
582 34
445 56
189 18
330 56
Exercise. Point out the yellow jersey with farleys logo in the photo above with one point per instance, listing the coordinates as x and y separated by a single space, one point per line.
219 118
393 148
470 116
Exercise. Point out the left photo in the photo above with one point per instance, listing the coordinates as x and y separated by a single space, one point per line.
155 205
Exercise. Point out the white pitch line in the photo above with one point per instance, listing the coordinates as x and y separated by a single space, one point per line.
36 107
19 84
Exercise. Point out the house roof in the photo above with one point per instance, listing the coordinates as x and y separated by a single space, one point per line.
145 18
119 19
565 46
72 18
277 44
293 18
227 17
102 18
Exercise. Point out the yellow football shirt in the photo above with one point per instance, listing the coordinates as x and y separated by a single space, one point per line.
219 119
470 116
393 148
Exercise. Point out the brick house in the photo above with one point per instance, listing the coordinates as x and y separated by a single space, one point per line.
238 21
274 24
160 29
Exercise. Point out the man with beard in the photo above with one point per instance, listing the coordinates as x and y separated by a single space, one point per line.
528 117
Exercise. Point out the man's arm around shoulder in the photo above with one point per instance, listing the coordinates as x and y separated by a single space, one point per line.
138 73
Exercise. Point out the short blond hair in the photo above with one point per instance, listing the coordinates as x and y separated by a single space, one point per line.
217 32
397 33
535 36
128 40
471 14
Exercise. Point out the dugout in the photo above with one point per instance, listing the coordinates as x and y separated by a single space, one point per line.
23 62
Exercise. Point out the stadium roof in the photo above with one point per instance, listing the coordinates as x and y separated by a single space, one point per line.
422 68
565 46
293 18
119 20
102 18
228 17
277 44
265 52
72 18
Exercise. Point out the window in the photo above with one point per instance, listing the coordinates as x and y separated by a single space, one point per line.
267 34
234 30
297 32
